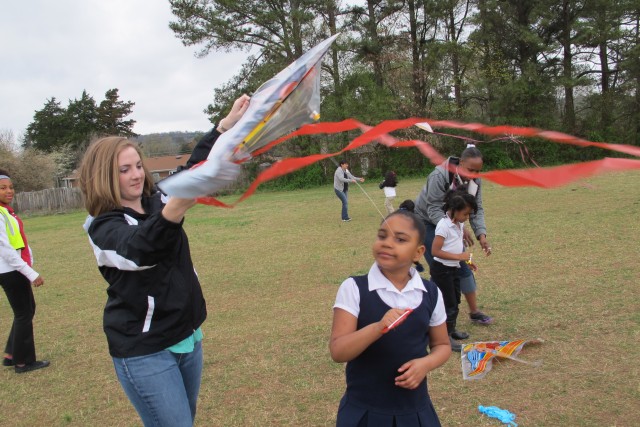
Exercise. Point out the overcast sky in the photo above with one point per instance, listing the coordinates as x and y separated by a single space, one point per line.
58 48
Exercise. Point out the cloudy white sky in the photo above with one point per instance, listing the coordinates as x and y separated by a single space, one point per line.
60 48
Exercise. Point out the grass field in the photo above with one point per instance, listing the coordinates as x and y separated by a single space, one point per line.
565 269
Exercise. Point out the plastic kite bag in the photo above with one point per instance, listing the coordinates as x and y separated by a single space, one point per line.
282 104
477 358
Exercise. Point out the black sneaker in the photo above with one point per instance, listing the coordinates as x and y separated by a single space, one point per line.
39 364
459 335
7 362
455 345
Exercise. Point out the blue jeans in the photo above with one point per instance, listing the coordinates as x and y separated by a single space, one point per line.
467 279
163 386
342 195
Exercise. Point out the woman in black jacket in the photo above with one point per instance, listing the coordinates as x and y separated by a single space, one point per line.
155 306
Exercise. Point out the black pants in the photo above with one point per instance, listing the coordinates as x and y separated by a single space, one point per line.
20 295
448 281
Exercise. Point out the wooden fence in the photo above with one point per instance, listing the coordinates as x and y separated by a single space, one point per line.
52 200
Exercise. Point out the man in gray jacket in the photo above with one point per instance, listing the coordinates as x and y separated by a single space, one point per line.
341 179
447 176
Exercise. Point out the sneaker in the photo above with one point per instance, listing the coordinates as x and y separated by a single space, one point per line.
481 318
346 220
31 366
459 335
455 345
7 362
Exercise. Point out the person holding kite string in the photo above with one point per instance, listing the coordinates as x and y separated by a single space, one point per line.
383 323
155 306
341 179
451 174
16 278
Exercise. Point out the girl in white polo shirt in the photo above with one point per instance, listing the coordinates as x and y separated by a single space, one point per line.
448 251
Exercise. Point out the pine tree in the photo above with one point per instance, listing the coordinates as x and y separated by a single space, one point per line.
111 114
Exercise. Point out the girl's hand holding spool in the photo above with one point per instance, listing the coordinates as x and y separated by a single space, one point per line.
393 318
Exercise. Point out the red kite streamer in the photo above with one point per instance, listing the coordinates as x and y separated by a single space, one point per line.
533 177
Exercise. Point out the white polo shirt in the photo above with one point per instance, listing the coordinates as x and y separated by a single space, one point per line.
348 297
389 191
453 241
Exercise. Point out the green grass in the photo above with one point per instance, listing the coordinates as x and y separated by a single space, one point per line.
564 269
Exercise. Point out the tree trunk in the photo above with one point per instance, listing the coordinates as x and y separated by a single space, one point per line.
416 83
486 59
455 61
335 69
374 44
296 28
567 69
605 112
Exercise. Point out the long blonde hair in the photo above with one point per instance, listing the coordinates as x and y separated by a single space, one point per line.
99 174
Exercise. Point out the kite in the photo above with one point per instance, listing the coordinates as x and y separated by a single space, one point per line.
477 357
282 104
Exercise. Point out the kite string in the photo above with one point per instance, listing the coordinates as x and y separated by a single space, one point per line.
362 189
370 199
498 353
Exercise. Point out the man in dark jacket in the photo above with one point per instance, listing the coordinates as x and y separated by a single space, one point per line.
447 176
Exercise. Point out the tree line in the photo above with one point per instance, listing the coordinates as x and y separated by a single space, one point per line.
56 128
566 65
56 139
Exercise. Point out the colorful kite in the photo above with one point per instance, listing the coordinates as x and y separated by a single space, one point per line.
477 358
282 104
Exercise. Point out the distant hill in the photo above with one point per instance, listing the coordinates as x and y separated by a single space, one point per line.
168 143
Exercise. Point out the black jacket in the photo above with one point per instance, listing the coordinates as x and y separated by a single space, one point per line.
390 180
201 150
154 296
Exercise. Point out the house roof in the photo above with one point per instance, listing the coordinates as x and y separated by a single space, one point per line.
165 163
154 164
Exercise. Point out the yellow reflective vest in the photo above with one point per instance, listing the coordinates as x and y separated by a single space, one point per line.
12 229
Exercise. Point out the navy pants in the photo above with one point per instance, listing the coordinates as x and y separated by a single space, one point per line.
448 281
467 279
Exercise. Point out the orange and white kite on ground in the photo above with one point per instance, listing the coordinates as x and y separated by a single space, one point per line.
477 358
